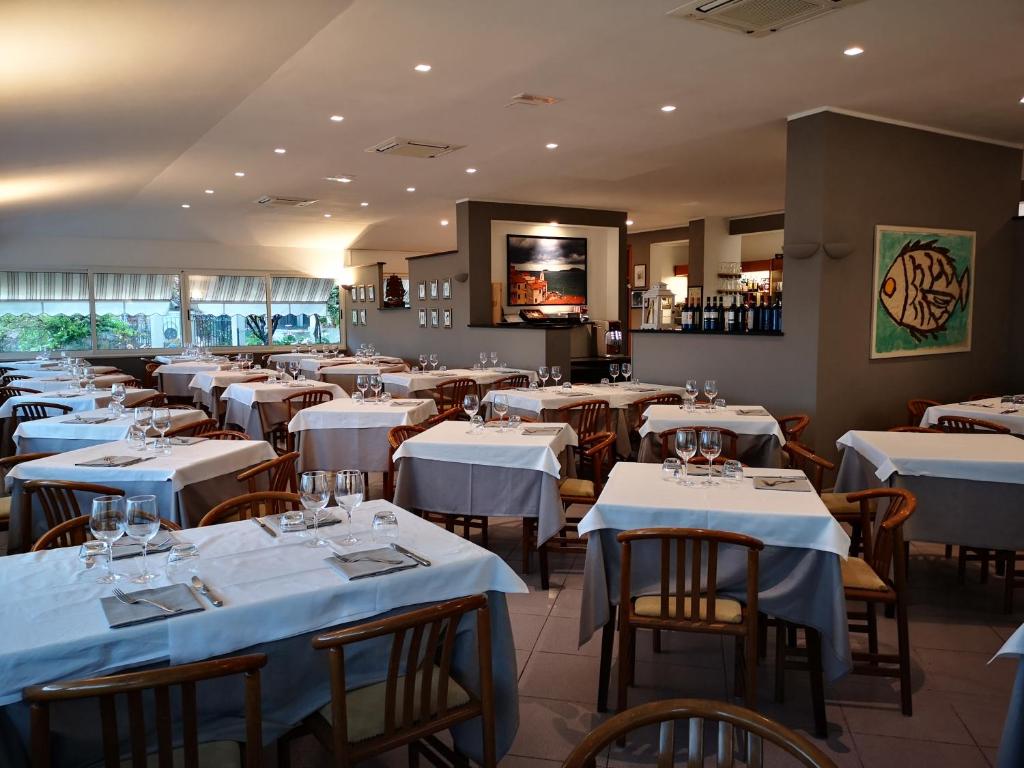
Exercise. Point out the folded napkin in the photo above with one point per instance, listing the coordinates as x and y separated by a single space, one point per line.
327 517
506 370
110 461
701 470
576 394
642 389
182 440
752 412
90 419
541 430
526 389
405 403
783 484
178 597
125 547
65 395
298 384
370 562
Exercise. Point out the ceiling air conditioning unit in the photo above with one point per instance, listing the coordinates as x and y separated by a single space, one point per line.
757 18
273 201
425 150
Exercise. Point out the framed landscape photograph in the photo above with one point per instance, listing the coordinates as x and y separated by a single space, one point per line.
446 288
921 291
447 317
421 317
371 293
362 317
362 293
421 291
546 270
434 317
433 289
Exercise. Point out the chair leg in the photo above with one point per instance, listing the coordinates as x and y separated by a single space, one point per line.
527 538
872 621
625 664
750 643
656 640
948 552
780 660
1009 580
414 755
817 682
738 666
542 557
605 666
632 657
762 636
483 533
903 641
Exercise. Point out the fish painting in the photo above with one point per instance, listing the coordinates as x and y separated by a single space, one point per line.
921 290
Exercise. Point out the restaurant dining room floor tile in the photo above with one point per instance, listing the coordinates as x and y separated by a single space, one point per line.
960 699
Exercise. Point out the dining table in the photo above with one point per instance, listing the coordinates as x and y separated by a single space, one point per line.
254 405
187 482
994 409
277 592
486 471
542 403
1011 744
312 365
345 375
36 368
60 381
81 429
352 434
176 378
799 577
424 383
760 438
969 487
208 386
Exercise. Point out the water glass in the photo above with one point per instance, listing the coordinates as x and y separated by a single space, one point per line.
732 472
534 385
91 551
515 421
117 396
136 438
567 387
544 373
720 404
161 423
477 422
141 524
349 492
385 526
604 381
182 562
90 379
670 470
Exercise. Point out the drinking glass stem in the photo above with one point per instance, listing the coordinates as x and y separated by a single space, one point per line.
145 565
110 558
684 472
316 526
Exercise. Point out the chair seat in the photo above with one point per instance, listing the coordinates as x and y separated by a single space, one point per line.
214 754
727 610
840 508
857 574
365 706
5 510
577 488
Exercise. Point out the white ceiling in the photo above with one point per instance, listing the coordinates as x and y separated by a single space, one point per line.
114 113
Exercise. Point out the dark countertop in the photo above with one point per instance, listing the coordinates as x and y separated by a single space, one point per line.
680 332
529 327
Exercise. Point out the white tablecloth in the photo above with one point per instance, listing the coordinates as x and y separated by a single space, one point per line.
85 401
345 413
58 383
36 365
314 364
662 417
422 381
549 398
52 370
989 410
359 369
243 402
981 457
63 433
175 378
451 441
207 381
637 496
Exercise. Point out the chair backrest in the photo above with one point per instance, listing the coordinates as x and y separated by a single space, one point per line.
73 532
35 410
256 378
515 381
306 399
132 685
916 409
251 505
193 429
422 649
451 414
58 501
226 434
149 377
793 426
7 378
595 449
641 405
451 393
279 472
981 396
397 436
586 416
729 442
732 720
683 543
914 429
883 542
6 393
158 400
964 424
811 464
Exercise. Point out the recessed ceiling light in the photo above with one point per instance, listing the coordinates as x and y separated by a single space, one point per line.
208 191
551 145
280 151
327 215
629 222
185 205
854 50
444 222
336 118
410 189
668 108
364 204
422 67
239 173
471 170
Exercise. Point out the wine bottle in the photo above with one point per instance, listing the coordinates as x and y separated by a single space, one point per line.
730 317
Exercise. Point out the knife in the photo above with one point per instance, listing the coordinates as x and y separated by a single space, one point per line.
409 553
266 528
204 590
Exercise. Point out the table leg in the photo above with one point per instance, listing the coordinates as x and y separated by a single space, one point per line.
817 681
604 672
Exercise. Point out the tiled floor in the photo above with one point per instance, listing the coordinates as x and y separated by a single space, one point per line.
959 699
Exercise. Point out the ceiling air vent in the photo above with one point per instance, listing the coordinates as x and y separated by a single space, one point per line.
413 148
272 201
532 100
757 18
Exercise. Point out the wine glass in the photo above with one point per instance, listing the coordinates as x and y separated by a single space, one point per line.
293 369
376 385
543 373
613 371
161 422
362 384
710 448
434 360
117 396
686 449
423 362
90 378
494 359
471 404
279 366
691 391
711 389
349 491
500 405
556 374
141 524
314 493
107 523
627 371
483 359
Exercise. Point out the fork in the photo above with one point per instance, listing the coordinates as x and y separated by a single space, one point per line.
350 559
128 600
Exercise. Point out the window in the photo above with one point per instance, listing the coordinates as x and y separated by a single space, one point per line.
304 310
44 311
137 311
228 310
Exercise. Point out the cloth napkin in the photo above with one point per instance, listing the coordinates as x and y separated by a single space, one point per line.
404 402
642 389
327 517
178 597
801 484
125 547
701 470
541 430
751 412
182 440
362 565
111 461
576 394
90 419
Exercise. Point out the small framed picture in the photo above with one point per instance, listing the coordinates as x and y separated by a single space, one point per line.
447 317
636 299
362 293
355 315
446 288
355 293
435 317
362 317
371 293
421 291
433 289
639 275
422 318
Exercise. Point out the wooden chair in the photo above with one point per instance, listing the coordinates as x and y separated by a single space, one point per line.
451 393
451 414
396 436
250 505
8 378
515 381
965 424
734 723
815 467
194 429
587 417
793 426
58 501
914 429
149 376
257 378
982 396
879 578
6 393
34 411
6 465
226 434
278 472
73 532
132 685
916 409
729 441
638 407
677 609
417 699
275 432
158 400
